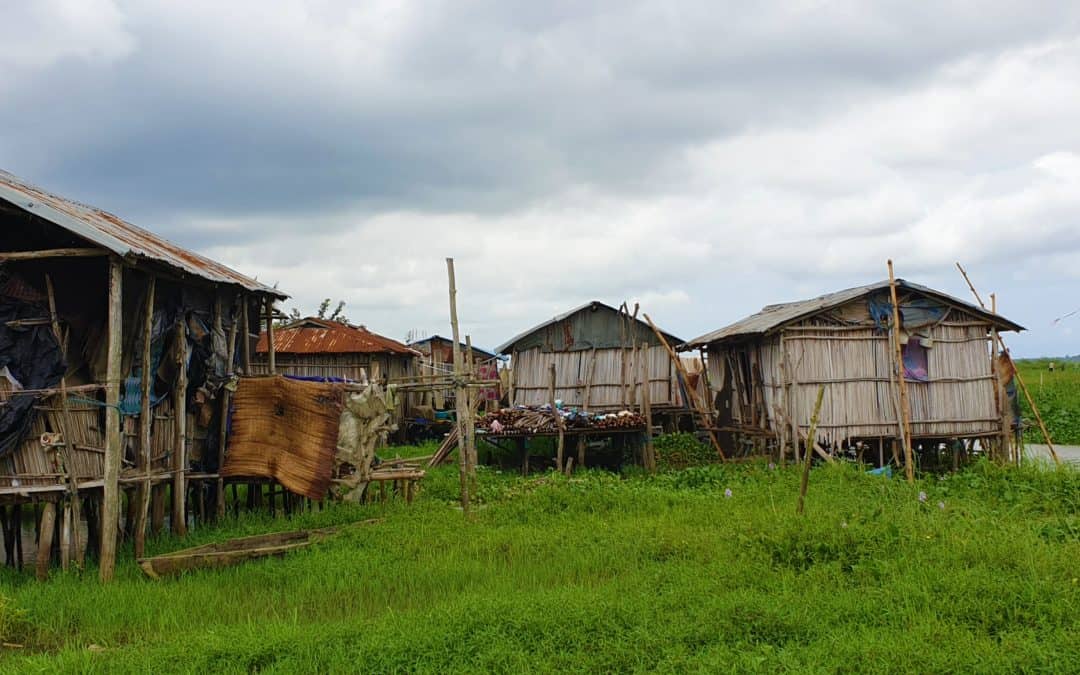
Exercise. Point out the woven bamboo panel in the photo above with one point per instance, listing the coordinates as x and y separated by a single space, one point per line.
286 430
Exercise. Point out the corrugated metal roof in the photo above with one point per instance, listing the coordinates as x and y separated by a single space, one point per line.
320 336
431 338
772 317
503 348
117 235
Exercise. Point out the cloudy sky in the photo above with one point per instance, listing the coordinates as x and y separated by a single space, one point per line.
702 158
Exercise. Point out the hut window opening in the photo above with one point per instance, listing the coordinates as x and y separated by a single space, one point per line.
916 361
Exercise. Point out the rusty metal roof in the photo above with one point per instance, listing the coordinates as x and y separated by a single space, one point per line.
321 336
439 338
773 317
119 236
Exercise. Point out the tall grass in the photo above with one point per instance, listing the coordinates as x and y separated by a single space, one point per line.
604 573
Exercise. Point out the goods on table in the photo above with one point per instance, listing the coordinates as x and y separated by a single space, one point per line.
538 419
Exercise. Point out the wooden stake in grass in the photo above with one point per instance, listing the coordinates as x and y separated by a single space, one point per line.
905 406
808 456
110 511
460 395
1019 379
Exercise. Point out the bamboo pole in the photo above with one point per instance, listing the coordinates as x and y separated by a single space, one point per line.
905 406
142 490
473 401
557 418
245 346
808 457
459 395
179 489
691 394
646 408
1019 378
110 512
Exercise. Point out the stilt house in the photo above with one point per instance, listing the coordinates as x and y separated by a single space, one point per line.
114 348
599 353
764 372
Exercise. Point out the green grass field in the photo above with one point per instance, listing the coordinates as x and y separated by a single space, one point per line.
1057 395
608 573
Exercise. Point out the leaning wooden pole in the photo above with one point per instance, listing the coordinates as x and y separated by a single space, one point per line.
905 406
110 511
690 393
142 492
226 397
460 395
1019 379
808 456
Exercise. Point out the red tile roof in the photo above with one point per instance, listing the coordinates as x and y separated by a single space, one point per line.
319 336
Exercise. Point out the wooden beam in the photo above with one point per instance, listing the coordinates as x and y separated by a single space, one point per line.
45 540
905 406
110 511
225 395
270 350
245 346
556 417
142 491
13 256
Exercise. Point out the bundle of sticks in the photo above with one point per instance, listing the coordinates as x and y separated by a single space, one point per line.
538 419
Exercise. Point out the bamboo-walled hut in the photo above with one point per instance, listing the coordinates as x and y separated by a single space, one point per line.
115 346
764 372
598 352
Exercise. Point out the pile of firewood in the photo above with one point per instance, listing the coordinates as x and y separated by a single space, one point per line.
532 420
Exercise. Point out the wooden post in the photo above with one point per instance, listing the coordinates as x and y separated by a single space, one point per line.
460 396
223 427
66 425
646 407
245 346
811 439
110 514
271 356
1019 378
557 418
999 386
473 405
591 368
142 490
179 489
905 409
512 379
45 540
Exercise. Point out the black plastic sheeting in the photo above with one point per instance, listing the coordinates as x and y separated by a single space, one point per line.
33 357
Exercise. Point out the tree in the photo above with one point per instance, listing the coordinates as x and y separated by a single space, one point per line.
324 307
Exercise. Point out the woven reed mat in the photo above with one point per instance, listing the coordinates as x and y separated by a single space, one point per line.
286 430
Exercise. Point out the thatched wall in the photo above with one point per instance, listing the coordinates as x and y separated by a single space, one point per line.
766 383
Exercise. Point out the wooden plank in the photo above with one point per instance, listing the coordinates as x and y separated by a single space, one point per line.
110 512
142 491
557 418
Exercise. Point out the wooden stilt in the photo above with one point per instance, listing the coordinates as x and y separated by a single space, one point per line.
45 541
113 443
556 417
